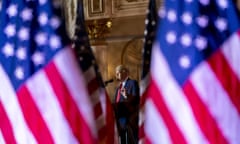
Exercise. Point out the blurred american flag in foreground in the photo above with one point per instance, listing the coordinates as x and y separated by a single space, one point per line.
44 98
194 91
103 112
149 33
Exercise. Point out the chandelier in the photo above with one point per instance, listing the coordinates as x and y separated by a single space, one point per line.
97 29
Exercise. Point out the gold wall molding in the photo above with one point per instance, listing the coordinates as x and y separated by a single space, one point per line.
98 9
122 8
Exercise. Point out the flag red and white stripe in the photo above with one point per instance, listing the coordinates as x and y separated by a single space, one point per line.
52 107
102 107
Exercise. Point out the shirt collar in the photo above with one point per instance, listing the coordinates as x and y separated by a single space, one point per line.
124 82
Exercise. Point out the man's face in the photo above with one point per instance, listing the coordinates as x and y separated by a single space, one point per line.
121 75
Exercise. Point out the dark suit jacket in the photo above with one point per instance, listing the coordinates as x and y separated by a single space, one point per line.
126 110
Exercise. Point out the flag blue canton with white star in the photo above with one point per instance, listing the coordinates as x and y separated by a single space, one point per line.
188 29
29 37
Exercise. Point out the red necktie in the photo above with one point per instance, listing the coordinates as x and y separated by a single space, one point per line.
119 93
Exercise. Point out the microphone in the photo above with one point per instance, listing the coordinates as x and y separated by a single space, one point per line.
108 81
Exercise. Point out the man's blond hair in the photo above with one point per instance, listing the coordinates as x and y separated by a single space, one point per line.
122 68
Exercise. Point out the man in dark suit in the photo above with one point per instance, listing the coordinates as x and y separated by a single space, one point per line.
126 106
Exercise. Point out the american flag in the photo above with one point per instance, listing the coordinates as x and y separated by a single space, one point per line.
101 104
149 33
194 91
43 95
